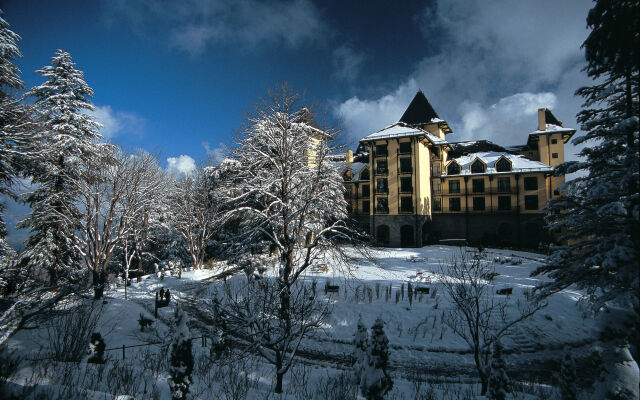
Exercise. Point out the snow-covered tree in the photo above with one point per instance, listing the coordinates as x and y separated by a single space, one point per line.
284 194
67 135
568 377
113 196
194 211
181 362
15 126
375 381
598 217
361 345
476 315
498 378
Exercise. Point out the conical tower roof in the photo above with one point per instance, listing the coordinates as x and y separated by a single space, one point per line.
420 112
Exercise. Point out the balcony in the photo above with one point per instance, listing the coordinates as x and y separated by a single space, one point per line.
380 153
382 190
402 171
406 189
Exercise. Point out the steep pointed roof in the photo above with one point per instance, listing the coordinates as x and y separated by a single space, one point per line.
421 112
550 118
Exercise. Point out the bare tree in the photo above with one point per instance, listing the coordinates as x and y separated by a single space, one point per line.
113 194
476 315
286 195
194 212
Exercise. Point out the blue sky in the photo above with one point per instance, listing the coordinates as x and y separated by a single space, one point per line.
177 77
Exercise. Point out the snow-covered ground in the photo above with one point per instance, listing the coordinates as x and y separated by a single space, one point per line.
422 346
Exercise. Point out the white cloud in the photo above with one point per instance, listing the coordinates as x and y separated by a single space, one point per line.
194 25
506 122
182 164
217 154
498 62
116 123
347 63
362 117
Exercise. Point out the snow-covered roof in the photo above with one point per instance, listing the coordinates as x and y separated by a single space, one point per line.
518 163
355 167
551 128
399 130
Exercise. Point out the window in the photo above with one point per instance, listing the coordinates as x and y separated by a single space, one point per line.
381 150
556 192
531 202
504 203
554 141
504 185
477 167
364 175
346 176
436 169
383 205
405 147
478 204
503 165
437 204
435 152
478 185
453 168
554 155
365 191
405 185
531 183
348 193
454 186
405 165
406 204
365 206
437 186
381 167
381 185
454 204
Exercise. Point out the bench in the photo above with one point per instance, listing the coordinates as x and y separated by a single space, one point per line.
331 288
505 291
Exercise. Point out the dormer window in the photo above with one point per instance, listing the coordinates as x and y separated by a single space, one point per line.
453 168
503 165
346 176
364 175
478 167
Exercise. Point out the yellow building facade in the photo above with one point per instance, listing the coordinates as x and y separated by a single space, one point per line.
409 185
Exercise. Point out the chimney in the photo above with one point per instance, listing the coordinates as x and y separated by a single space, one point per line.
349 158
542 122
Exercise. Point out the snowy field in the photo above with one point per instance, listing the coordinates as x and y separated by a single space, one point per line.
425 355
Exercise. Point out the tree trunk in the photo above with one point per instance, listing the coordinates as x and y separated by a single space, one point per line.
279 374
98 284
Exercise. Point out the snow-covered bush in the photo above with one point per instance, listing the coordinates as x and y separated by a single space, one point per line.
96 349
375 381
70 331
181 364
498 379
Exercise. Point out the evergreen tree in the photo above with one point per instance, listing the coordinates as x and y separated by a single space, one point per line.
567 377
361 344
96 349
598 217
498 379
375 381
181 357
68 138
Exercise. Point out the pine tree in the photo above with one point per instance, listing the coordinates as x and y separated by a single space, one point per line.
498 379
567 377
375 381
598 217
96 349
181 357
68 138
361 344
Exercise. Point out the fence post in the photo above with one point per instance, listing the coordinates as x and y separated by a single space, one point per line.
123 352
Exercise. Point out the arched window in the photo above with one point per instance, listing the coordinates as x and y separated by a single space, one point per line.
503 165
477 167
347 176
364 175
453 168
